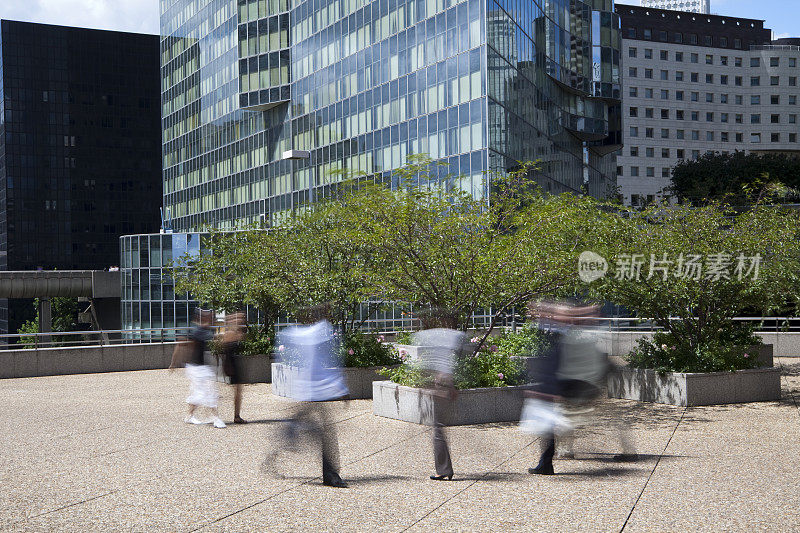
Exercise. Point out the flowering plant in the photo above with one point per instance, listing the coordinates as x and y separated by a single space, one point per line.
362 350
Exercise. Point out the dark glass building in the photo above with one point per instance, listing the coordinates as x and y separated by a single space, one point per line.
79 148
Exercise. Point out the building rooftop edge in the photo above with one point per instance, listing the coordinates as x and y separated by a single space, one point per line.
78 27
639 10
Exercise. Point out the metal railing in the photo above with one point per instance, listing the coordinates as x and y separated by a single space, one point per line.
792 47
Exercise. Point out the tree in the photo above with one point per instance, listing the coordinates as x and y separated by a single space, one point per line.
692 270
737 178
64 313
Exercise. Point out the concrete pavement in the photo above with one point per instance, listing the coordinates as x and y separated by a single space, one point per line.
110 452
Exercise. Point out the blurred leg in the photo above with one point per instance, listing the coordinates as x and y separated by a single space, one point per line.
441 451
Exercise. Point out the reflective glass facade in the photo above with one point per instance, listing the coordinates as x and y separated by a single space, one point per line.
362 84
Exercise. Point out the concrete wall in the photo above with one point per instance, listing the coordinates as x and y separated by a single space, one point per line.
84 359
621 343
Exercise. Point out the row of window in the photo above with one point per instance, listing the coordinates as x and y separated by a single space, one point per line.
694 77
711 136
677 37
755 62
680 114
694 96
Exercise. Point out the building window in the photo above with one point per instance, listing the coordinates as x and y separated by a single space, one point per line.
634 151
692 38
723 98
775 137
723 117
792 99
648 73
635 172
664 133
678 75
665 152
737 62
792 137
755 99
707 40
679 57
723 60
738 99
680 153
678 37
774 80
664 114
695 96
664 55
634 131
648 133
723 42
709 78
723 136
665 172
694 77
651 172
723 79
632 72
709 97
679 114
755 118
631 52
694 58
648 34
792 81
793 62
737 80
792 119
739 137
709 116
774 119
664 94
774 61
739 118
695 135
775 99
679 95
648 93
709 58
695 116
679 134
709 136
633 112
755 81
648 53
633 91
695 154
665 75
663 35
648 112
631 32
649 152
755 62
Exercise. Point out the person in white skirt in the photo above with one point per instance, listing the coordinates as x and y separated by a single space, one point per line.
202 377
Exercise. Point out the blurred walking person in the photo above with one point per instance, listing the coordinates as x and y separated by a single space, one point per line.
571 372
312 348
441 346
232 339
202 376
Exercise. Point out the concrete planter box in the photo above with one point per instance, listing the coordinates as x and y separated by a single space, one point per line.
529 365
690 389
471 406
409 351
763 354
253 369
358 380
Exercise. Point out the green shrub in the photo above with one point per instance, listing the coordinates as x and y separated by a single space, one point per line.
528 341
403 337
726 351
363 350
485 369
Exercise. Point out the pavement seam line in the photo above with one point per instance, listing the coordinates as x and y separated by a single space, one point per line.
293 487
789 388
490 471
653 471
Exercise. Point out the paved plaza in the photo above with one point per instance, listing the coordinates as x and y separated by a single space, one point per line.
110 452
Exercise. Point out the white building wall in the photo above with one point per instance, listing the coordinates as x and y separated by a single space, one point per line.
742 115
693 6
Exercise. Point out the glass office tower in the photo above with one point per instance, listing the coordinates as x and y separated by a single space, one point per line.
361 84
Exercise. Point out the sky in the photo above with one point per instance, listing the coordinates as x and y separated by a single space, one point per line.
782 16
